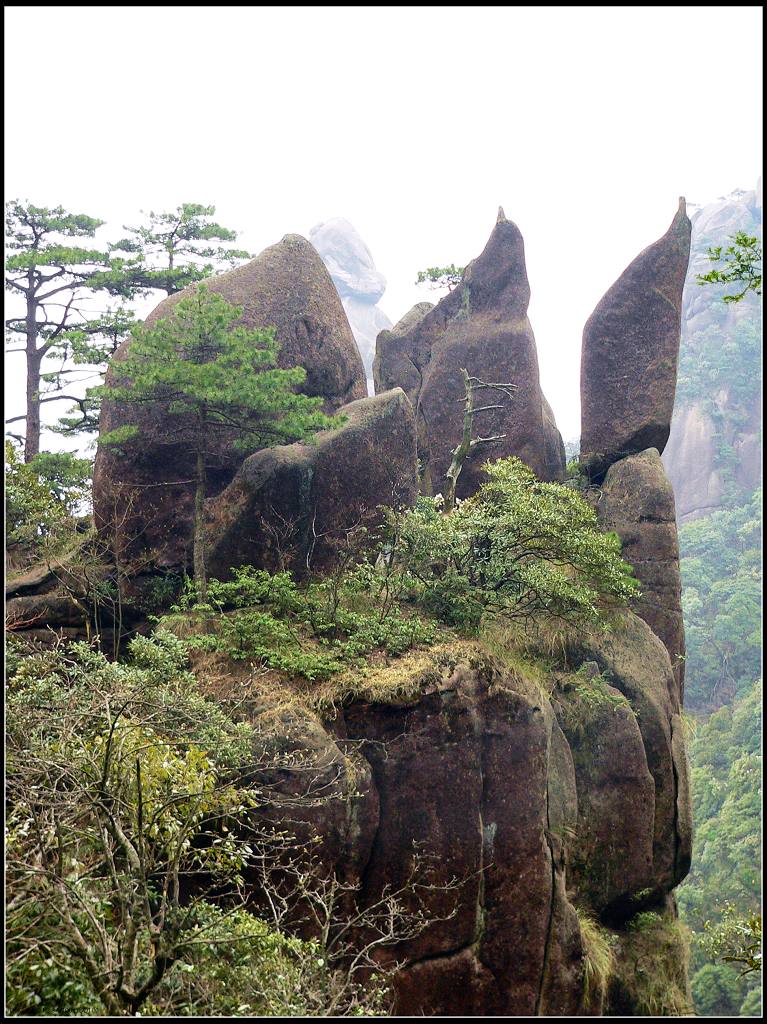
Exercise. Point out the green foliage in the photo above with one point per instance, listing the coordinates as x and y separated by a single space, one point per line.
313 632
517 549
68 477
584 696
737 940
170 251
54 280
43 499
742 265
721 895
241 967
721 601
128 811
441 277
217 375
718 360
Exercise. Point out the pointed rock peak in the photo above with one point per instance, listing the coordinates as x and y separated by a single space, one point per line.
296 240
682 205
501 219
412 318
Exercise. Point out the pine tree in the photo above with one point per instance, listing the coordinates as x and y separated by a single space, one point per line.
213 377
170 248
56 279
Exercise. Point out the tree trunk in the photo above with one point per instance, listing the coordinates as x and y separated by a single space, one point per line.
34 359
200 577
463 449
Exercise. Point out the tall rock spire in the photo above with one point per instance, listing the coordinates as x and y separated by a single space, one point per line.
630 352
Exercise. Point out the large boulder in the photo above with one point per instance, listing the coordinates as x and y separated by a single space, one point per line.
636 664
145 496
554 446
472 771
359 284
448 781
482 326
637 502
630 352
292 507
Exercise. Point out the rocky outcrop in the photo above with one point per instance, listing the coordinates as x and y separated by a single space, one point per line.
636 663
714 450
509 816
359 284
630 352
482 326
146 495
637 502
294 506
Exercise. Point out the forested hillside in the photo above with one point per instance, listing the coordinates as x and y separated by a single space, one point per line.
713 458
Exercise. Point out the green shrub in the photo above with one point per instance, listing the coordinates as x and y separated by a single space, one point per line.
517 549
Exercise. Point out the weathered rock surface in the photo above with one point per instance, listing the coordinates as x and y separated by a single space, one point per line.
630 352
147 495
472 769
359 284
464 760
554 446
637 502
638 665
291 507
482 326
715 445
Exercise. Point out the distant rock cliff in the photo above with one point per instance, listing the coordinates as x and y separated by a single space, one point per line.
359 284
714 451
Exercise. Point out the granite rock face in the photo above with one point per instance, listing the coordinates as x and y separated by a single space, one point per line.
482 326
630 352
533 805
359 284
146 496
291 507
637 502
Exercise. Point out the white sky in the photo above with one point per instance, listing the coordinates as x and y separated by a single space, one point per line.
586 124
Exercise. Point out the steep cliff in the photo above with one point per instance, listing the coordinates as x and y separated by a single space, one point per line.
527 792
714 451
536 802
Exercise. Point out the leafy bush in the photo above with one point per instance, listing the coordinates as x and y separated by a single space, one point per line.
127 838
723 890
312 632
517 549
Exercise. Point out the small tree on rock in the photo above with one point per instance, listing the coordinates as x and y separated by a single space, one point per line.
742 266
213 377
441 277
